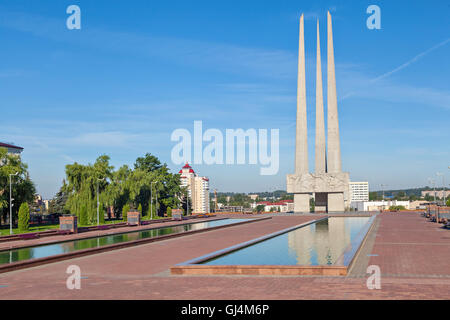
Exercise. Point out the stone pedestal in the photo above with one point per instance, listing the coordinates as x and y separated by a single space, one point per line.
68 223
177 214
336 202
301 202
133 218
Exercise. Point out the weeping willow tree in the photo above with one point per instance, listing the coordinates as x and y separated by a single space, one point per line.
148 182
81 187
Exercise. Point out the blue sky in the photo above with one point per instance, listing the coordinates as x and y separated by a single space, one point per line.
137 70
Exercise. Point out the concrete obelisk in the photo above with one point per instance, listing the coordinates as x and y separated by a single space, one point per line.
334 147
320 123
301 201
335 200
328 183
320 162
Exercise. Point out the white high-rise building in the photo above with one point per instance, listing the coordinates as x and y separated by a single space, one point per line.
198 189
359 191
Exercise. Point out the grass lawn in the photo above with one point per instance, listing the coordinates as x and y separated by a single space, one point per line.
145 218
5 232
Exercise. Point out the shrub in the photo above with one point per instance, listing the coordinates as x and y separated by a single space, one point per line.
24 217
125 210
397 208
169 211
101 213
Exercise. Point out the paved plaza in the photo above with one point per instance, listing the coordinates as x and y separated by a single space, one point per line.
412 253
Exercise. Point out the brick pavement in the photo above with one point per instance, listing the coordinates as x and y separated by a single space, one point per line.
408 272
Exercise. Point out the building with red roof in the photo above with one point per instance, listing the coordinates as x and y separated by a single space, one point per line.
198 189
13 149
278 206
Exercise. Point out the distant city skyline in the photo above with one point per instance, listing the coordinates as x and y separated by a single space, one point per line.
134 73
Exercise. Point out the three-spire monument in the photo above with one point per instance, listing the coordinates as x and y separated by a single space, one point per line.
328 182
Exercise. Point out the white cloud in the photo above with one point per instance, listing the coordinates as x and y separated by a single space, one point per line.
411 61
104 139
355 83
213 56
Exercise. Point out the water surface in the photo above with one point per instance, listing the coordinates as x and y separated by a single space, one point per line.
70 246
320 243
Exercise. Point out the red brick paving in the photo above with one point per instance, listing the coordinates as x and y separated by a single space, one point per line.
142 272
407 244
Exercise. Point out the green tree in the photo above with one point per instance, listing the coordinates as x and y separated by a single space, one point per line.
83 215
186 202
169 211
260 208
312 205
23 188
135 187
58 203
140 209
148 163
374 196
153 214
287 196
400 195
81 187
24 217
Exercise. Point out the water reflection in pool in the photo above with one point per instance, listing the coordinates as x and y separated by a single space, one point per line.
320 243
70 246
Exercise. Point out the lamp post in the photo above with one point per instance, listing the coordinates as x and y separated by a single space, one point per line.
445 203
151 199
187 202
434 189
432 183
10 202
440 174
382 189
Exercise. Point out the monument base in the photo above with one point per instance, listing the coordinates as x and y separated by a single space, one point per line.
336 202
330 190
301 202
